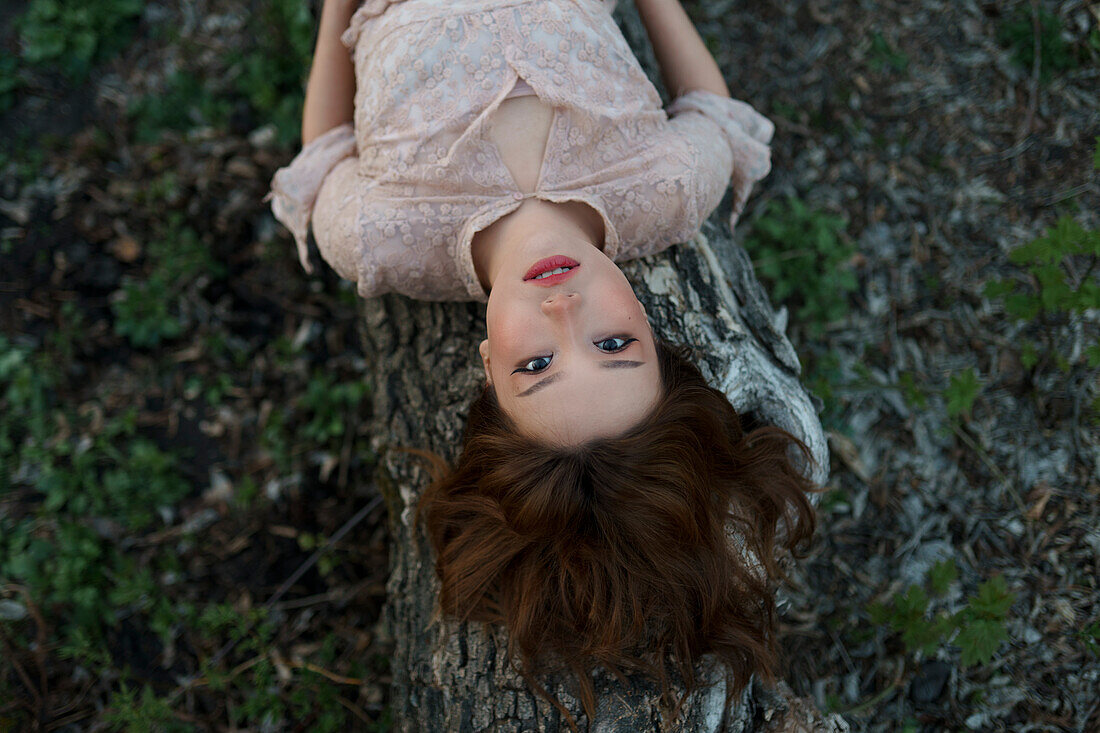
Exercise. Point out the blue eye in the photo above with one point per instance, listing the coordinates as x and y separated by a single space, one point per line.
614 344
534 366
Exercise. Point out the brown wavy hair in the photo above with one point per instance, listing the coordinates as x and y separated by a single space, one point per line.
635 552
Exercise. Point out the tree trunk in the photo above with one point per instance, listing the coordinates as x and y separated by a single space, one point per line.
425 370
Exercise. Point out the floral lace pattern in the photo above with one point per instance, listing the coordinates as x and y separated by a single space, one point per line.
396 198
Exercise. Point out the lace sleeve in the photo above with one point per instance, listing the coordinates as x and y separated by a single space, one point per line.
729 132
295 187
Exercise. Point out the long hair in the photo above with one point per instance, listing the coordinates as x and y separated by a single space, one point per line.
633 552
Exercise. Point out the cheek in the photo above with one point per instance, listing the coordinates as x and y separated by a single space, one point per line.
622 300
509 331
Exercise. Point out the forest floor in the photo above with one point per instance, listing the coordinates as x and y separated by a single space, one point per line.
181 407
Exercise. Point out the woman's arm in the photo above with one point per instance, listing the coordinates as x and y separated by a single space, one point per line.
330 93
685 62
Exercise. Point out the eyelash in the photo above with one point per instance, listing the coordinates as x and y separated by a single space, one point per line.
626 342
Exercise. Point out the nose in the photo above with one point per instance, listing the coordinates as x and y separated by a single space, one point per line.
559 304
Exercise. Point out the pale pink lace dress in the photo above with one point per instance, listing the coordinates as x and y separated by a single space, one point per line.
396 199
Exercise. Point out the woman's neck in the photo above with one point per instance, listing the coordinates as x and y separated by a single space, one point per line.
534 216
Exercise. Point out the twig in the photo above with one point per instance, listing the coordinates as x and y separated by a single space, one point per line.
355 710
325 673
1033 91
980 452
10 651
68 719
287 585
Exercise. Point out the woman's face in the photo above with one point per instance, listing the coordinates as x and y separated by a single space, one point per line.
570 355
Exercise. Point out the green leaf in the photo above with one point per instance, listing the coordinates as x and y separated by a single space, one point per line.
1092 354
1029 354
961 392
998 288
979 641
942 575
993 599
926 636
909 608
879 613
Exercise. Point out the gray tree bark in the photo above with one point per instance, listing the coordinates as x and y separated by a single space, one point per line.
425 371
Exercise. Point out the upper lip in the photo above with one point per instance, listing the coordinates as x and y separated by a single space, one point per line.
550 263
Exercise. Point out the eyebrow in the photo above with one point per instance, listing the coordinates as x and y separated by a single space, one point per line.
614 364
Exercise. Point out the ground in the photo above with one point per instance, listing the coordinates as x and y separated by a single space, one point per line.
180 404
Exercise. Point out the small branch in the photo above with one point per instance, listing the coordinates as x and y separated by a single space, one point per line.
286 586
1036 62
339 679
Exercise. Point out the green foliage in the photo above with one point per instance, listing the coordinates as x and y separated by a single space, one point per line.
10 81
962 389
1017 33
883 55
981 623
1062 285
271 75
329 404
144 308
127 711
74 35
823 374
268 74
1090 636
142 314
185 102
942 575
310 699
804 255
978 628
92 485
912 392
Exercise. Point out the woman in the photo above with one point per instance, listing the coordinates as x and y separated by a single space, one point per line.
511 151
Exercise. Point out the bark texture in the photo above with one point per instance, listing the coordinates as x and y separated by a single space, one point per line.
425 369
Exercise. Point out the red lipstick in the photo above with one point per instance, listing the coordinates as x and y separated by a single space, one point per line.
549 264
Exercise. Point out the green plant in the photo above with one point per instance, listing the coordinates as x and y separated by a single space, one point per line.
143 307
1017 33
76 35
270 76
309 699
127 711
186 101
1090 636
912 392
978 628
143 315
805 256
962 389
89 483
329 405
884 55
10 81
1061 286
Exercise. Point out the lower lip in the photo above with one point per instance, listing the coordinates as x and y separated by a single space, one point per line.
548 264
